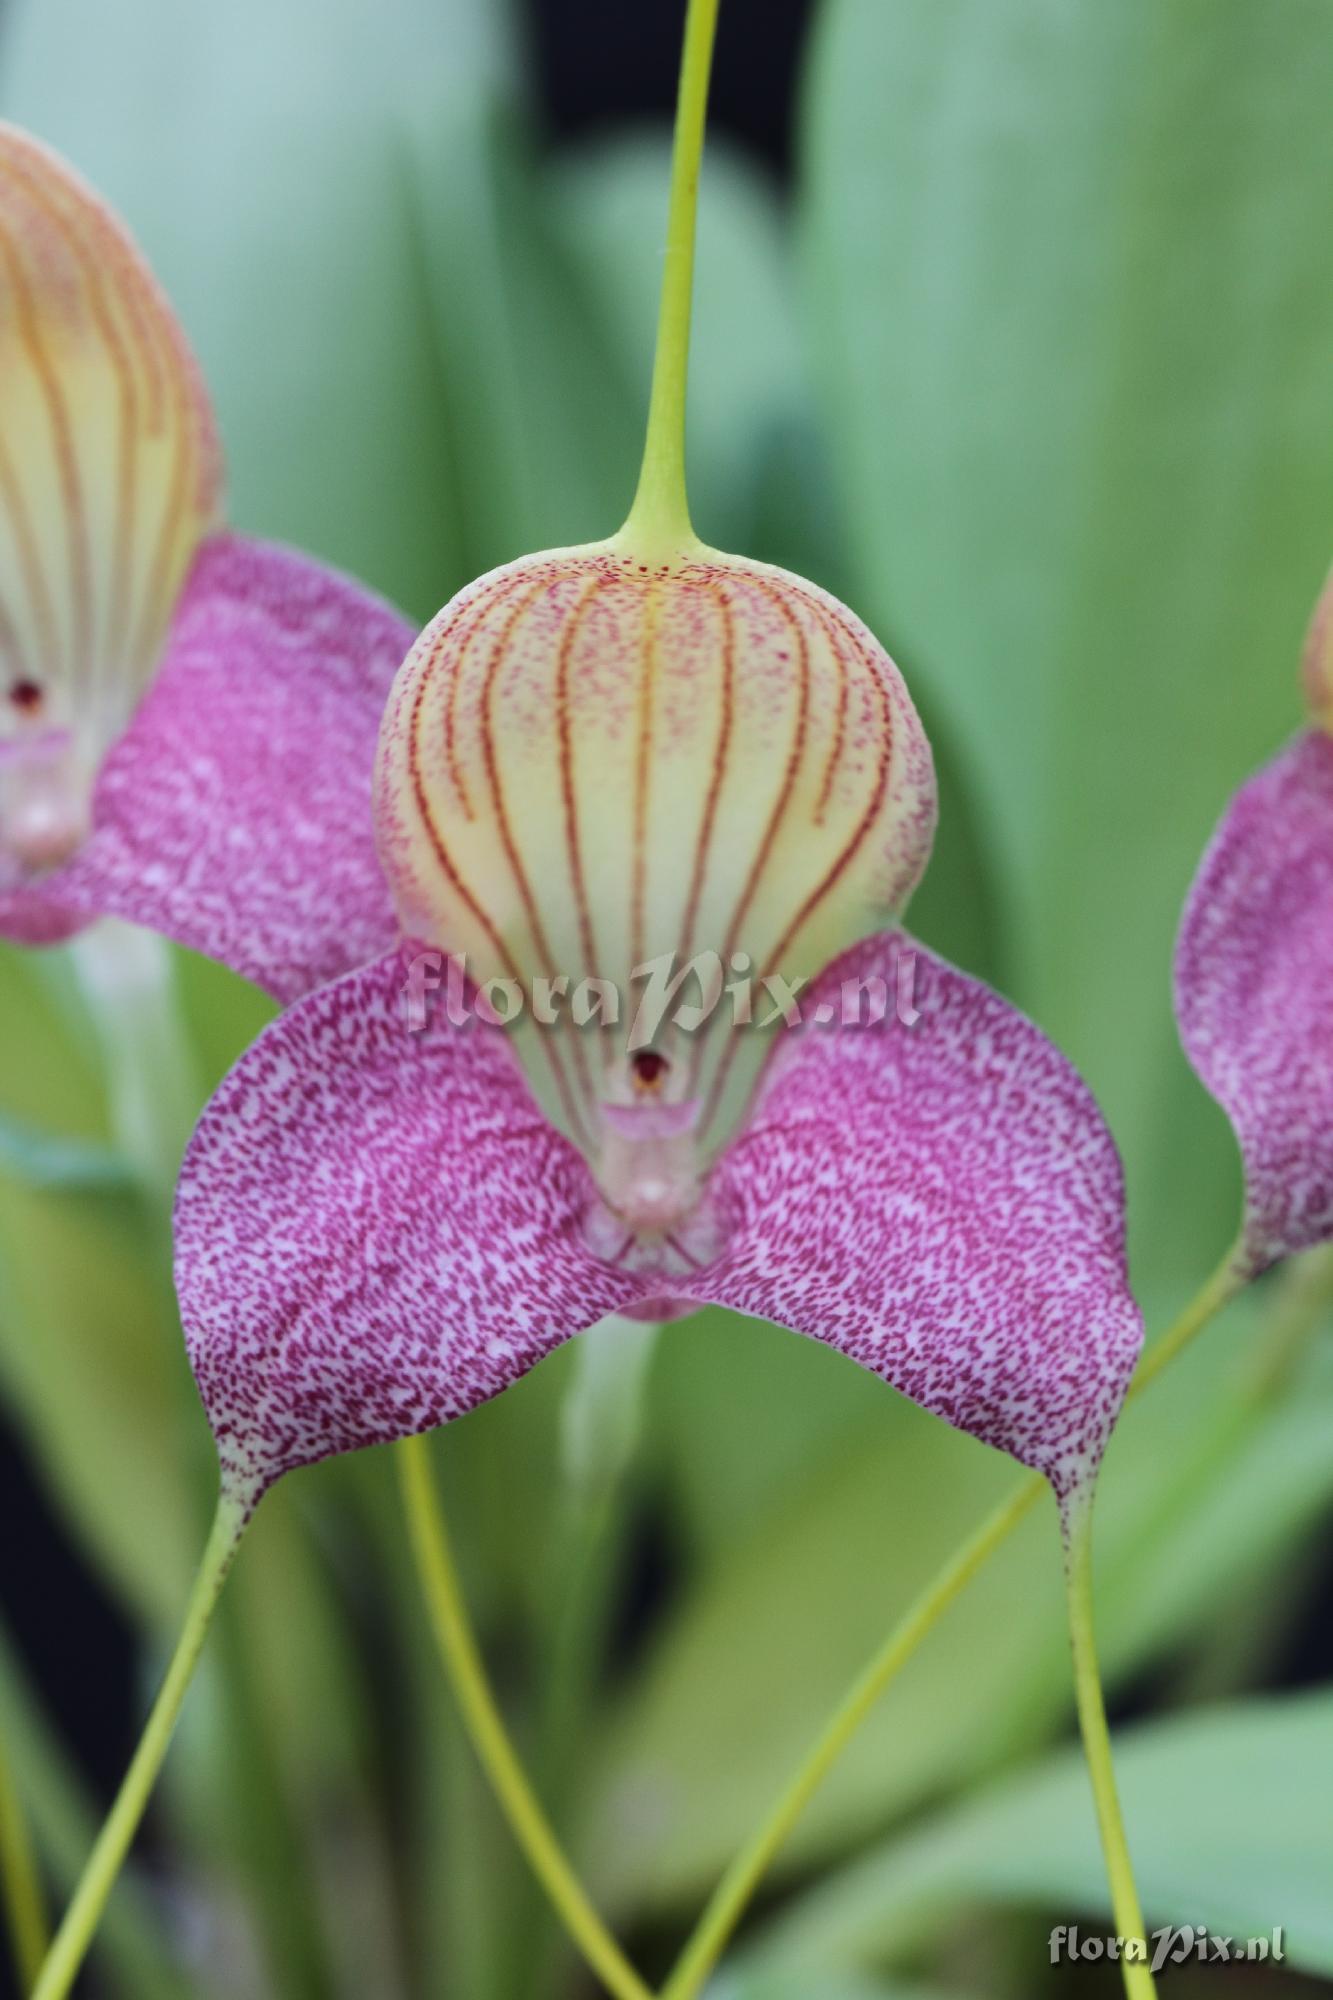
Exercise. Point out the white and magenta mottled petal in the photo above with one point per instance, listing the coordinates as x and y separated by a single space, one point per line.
943 1203
376 1230
1254 994
234 813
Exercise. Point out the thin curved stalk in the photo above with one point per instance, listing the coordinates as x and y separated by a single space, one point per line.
485 1725
730 1899
1127 1914
79 1925
738 1885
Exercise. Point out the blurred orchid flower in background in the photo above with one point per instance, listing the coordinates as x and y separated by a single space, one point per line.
188 716
1254 977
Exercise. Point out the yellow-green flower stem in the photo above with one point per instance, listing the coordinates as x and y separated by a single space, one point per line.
128 982
659 520
25 1911
70 1946
1127 1915
732 1895
738 1885
1226 1281
1301 1296
490 1739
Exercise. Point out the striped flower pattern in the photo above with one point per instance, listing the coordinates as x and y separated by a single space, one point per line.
591 764
110 475
594 761
159 676
591 761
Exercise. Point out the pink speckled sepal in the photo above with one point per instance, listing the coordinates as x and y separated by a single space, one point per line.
234 813
943 1202
375 1231
1254 994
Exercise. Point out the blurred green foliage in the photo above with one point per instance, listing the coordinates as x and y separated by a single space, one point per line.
1036 369
1072 318
1031 1838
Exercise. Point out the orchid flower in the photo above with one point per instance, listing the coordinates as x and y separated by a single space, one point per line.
1254 977
187 716
599 766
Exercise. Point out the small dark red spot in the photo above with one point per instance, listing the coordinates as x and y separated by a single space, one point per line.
649 1068
26 696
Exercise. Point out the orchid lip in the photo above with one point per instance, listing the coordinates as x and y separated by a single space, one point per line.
652 1184
27 749
652 1121
659 1225
45 802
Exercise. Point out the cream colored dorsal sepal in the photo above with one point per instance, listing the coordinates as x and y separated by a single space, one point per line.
643 791
110 474
634 788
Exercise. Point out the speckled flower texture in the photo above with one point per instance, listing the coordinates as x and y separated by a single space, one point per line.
640 753
591 760
187 717
1254 977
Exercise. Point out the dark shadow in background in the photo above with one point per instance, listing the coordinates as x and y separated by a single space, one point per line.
594 67
597 64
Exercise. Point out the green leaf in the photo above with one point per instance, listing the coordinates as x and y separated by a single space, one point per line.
802 1562
741 1414
1074 332
93 1366
780 1985
543 428
51 1075
1228 1816
222 1014
810 1557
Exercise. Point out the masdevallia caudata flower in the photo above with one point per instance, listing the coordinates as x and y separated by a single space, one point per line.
1254 977
187 716
593 759
597 759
